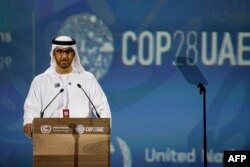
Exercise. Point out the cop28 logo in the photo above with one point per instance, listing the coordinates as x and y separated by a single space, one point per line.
94 42
80 129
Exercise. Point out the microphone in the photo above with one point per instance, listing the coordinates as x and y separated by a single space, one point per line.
79 86
42 112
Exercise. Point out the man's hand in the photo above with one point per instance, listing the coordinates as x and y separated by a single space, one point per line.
27 129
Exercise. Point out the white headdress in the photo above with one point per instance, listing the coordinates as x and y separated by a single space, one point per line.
65 42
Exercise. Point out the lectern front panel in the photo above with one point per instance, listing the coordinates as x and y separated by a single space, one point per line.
71 142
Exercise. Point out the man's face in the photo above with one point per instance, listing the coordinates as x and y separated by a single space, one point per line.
64 56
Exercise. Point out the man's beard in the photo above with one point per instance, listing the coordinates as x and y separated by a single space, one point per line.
63 63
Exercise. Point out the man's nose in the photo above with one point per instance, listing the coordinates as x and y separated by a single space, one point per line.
64 54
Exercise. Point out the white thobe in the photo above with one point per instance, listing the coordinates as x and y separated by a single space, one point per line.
46 86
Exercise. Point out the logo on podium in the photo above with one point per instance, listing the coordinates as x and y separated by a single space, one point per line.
80 129
45 128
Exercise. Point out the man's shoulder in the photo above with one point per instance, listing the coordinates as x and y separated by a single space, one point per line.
88 74
85 74
41 76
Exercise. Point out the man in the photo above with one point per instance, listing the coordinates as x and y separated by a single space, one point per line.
64 85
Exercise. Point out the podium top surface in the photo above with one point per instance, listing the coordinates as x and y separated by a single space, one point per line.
71 126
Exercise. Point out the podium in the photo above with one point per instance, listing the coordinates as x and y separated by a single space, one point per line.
71 142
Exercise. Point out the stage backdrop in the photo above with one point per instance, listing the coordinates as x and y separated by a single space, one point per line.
133 48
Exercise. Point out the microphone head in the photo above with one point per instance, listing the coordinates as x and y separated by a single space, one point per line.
79 86
61 90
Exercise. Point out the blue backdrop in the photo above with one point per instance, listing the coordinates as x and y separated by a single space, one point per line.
131 47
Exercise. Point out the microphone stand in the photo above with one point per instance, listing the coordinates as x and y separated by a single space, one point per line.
97 114
203 91
193 75
42 112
